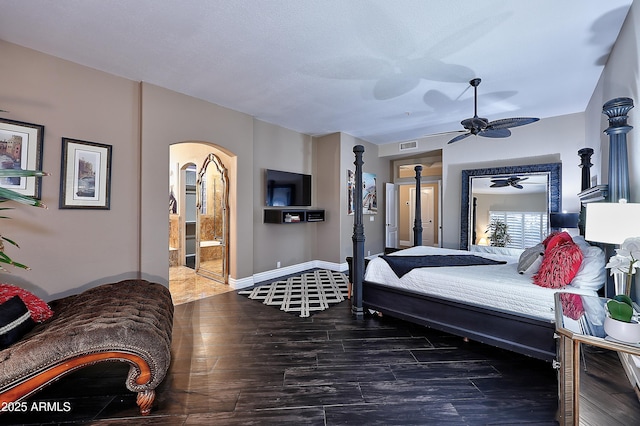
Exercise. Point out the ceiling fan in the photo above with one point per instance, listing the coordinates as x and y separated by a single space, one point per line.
513 181
489 129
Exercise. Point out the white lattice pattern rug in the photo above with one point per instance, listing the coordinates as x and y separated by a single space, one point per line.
304 294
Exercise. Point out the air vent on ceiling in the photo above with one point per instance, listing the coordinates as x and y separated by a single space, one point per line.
405 146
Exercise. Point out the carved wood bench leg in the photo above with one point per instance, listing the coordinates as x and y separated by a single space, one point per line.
145 401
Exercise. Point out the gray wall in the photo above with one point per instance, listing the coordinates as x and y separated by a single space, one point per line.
620 78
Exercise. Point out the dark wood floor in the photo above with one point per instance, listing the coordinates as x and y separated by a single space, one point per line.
238 362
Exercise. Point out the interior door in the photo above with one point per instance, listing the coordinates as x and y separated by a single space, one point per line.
391 216
428 217
427 210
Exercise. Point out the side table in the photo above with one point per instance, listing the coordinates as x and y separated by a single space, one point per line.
579 319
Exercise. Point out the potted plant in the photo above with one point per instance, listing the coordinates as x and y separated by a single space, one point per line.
619 322
624 263
10 195
498 235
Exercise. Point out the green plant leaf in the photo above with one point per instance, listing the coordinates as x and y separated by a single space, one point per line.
15 196
619 310
10 241
21 173
623 298
10 195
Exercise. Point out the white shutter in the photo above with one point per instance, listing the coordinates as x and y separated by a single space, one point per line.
525 229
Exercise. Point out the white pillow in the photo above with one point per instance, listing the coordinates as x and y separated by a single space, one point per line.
592 273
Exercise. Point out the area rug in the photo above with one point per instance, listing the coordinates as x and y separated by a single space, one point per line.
304 294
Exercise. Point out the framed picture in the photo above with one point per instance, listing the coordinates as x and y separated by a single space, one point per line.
369 193
21 148
85 176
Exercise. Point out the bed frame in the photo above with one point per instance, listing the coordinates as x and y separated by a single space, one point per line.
518 333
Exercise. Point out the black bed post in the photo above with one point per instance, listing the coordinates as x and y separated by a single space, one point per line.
585 164
417 223
358 236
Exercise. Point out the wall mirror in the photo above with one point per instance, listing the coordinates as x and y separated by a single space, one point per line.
212 225
520 196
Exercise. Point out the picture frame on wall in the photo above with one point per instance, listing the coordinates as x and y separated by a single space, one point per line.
85 176
369 193
21 148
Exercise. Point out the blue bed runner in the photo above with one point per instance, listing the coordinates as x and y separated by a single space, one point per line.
402 265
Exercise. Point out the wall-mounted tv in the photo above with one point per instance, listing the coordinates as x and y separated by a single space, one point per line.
287 189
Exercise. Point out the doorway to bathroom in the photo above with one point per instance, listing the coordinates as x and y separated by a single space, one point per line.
198 222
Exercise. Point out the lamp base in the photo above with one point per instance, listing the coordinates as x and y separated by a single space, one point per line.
621 283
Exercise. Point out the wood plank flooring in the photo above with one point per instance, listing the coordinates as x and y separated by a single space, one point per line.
238 362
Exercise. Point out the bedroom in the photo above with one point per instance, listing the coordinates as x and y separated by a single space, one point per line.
141 120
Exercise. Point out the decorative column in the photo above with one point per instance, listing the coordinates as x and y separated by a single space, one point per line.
617 109
417 222
358 237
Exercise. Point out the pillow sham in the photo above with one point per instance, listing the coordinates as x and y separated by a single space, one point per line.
39 309
592 273
559 265
15 321
531 259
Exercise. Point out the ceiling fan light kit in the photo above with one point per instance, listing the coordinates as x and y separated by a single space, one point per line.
489 129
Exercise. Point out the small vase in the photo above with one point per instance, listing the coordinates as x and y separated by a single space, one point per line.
622 283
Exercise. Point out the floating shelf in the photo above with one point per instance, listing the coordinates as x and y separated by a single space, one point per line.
287 216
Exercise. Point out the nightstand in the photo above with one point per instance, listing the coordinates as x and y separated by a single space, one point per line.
579 319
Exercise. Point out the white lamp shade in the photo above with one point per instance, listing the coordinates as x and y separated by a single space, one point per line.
612 223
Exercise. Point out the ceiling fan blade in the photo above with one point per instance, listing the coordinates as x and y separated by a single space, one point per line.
498 185
450 132
459 138
507 123
517 186
495 133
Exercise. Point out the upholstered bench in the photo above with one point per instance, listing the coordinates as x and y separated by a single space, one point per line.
129 321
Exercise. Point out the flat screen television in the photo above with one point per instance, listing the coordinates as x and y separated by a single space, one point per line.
287 189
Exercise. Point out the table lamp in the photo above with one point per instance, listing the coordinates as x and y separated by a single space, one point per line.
612 223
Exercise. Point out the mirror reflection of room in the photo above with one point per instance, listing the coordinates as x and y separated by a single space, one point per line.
510 211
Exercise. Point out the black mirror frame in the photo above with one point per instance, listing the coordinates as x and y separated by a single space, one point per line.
554 190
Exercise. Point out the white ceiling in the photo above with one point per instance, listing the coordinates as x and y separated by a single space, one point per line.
379 70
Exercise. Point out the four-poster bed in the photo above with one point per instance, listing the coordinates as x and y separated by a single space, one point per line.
442 302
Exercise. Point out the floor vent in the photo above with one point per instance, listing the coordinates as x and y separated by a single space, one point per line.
405 146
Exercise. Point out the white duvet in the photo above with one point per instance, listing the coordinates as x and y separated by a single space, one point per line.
496 286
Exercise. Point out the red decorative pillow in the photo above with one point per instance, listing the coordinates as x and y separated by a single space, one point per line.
559 265
572 305
38 308
556 238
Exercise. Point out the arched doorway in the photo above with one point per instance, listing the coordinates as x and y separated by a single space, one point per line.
199 217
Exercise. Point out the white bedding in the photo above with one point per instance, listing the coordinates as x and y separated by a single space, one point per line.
494 286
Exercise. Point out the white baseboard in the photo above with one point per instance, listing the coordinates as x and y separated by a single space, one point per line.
285 271
274 274
241 283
